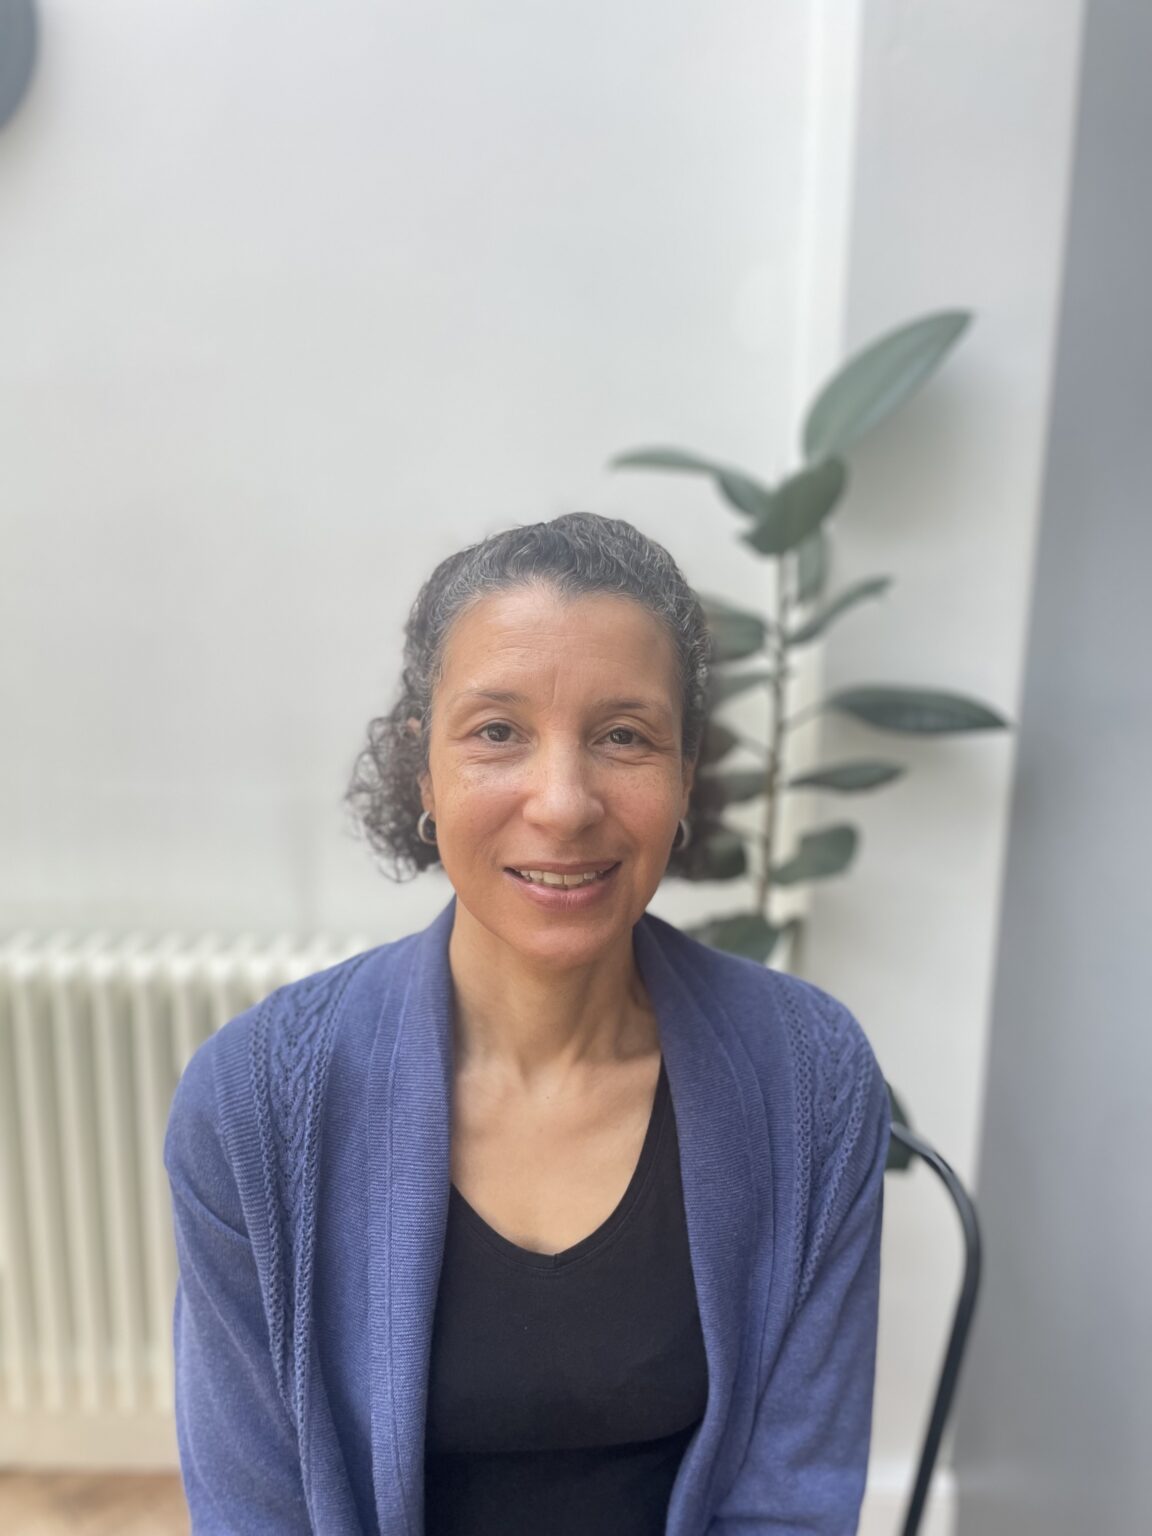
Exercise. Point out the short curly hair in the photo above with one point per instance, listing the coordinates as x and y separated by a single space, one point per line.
577 554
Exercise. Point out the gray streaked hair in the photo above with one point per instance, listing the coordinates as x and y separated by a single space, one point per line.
578 554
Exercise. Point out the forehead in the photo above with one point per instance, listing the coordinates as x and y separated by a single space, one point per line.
533 629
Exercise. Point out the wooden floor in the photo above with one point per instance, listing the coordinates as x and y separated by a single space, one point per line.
87 1504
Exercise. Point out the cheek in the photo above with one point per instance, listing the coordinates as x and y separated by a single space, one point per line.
649 807
474 791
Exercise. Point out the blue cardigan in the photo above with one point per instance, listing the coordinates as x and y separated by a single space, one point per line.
307 1150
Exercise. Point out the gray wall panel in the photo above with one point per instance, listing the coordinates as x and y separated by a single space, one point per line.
1055 1414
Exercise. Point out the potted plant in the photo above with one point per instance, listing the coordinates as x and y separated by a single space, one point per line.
785 525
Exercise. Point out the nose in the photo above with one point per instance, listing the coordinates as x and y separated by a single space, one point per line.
561 795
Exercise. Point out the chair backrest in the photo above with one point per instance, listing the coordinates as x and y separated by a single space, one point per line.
961 1321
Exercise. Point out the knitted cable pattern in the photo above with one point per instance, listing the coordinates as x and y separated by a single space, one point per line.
834 1067
291 1047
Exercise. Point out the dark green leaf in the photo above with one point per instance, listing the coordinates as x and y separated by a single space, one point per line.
735 632
814 626
739 933
823 853
812 564
744 493
716 742
741 490
797 507
736 784
666 458
915 710
848 777
877 379
19 46
899 1157
723 686
717 854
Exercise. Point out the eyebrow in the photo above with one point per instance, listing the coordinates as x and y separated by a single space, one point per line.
508 696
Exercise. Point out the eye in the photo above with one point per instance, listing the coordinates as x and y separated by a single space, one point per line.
628 731
493 725
502 725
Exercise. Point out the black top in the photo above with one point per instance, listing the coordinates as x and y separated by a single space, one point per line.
564 1388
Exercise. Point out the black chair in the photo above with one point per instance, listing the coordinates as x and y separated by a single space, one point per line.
961 1322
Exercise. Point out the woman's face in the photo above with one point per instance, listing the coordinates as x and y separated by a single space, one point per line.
555 739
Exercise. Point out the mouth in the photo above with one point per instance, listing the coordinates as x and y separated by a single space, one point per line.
563 880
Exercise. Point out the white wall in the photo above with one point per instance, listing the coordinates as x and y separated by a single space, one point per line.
297 299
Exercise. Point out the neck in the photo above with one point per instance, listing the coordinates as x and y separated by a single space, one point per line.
538 1024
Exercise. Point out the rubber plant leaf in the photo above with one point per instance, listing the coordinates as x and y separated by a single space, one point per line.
819 622
740 933
797 507
918 711
737 784
723 686
878 379
847 778
826 852
812 564
735 632
716 742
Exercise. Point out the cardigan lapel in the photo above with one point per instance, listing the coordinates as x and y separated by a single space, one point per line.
719 1120
409 1131
722 1130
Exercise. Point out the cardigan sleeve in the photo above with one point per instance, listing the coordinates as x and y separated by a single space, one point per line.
238 1449
806 1464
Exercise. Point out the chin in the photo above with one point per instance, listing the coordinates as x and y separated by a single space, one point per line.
573 940
567 956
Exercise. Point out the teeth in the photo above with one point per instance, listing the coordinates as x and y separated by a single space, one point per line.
546 877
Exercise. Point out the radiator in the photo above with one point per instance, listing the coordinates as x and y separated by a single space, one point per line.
94 1033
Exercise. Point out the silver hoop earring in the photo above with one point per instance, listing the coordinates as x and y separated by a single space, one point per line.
422 828
684 832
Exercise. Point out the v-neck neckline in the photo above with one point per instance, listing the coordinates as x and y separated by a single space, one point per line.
530 1258
725 1161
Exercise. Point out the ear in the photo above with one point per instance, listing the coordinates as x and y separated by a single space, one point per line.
689 782
412 727
427 799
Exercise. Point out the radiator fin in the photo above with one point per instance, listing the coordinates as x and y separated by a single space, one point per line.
94 1033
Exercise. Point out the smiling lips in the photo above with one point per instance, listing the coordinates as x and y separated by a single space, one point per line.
570 876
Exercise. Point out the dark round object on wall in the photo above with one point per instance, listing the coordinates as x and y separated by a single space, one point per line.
17 53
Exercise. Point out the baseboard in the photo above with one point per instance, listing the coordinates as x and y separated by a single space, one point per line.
886 1500
80 1442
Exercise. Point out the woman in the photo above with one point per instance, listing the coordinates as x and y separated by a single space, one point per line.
546 1218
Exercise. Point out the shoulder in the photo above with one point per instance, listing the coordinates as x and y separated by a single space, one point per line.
197 1135
810 1054
214 1076
768 1008
244 1094
291 1029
